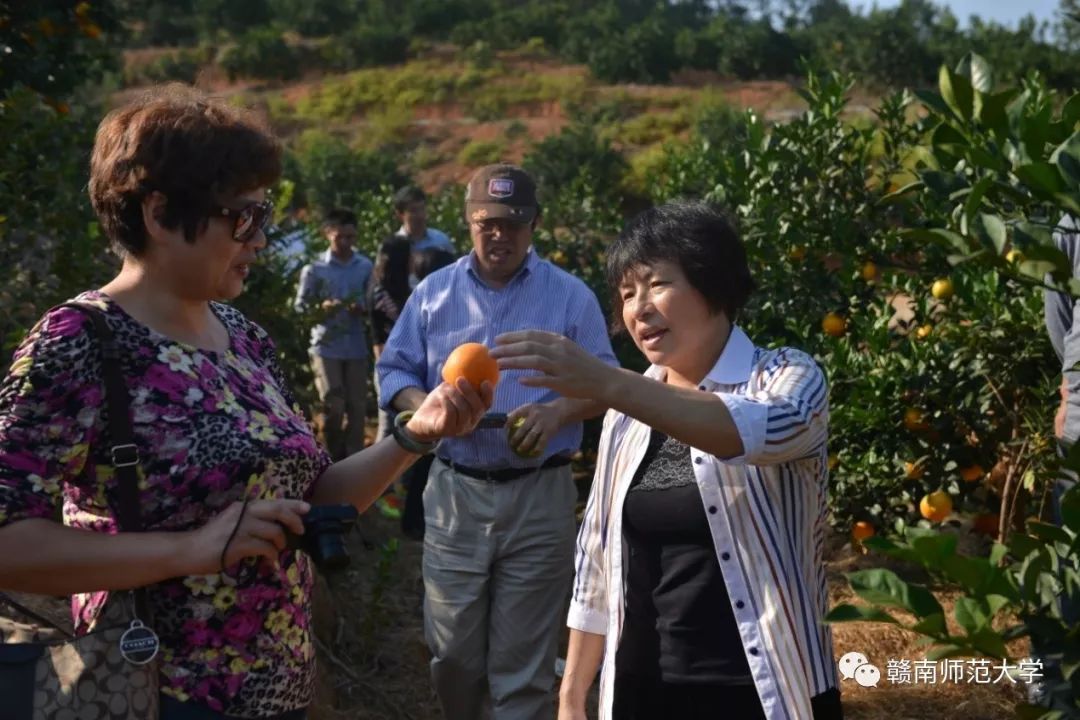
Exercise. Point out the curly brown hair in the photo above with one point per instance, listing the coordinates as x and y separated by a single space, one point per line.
195 150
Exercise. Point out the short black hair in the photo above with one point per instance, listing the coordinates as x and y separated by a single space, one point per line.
429 260
340 216
391 269
700 239
407 196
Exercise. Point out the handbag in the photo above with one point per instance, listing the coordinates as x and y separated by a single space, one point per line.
110 673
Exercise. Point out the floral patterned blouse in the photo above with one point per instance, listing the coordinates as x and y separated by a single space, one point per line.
211 428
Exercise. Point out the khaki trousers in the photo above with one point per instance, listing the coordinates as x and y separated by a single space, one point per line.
498 563
342 387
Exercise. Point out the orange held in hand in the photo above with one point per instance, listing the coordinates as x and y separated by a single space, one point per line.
472 362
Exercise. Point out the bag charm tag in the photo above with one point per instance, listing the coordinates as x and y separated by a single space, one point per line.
139 644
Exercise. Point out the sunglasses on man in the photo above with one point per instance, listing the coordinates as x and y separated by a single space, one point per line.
247 220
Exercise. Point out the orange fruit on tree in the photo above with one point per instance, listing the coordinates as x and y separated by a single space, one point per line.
913 420
923 331
834 325
473 362
861 530
869 271
797 253
834 461
942 289
972 473
913 470
936 506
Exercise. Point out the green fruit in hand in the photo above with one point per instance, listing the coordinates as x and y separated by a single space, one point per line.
510 429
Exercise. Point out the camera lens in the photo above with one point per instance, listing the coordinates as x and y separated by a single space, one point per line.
330 553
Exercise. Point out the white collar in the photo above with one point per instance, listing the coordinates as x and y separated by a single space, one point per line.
732 367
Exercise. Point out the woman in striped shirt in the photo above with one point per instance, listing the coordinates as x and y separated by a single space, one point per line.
700 583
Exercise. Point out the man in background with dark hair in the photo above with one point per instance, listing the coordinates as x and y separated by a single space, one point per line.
410 207
335 286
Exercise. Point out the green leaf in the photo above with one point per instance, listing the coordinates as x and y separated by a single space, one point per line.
1048 532
1070 112
955 259
1067 157
969 615
932 549
998 553
1030 569
970 573
932 625
990 160
899 192
884 587
996 602
1035 234
991 231
974 199
993 112
989 642
956 91
859 613
947 651
1042 177
934 102
947 136
938 236
974 67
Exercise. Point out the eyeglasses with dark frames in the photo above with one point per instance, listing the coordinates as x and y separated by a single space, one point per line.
247 220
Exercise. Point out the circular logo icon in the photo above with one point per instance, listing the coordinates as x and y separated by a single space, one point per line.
139 644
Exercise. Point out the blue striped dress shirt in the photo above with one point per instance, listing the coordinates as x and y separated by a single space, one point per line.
343 335
454 306
768 517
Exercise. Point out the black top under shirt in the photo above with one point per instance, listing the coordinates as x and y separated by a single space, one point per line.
384 311
679 625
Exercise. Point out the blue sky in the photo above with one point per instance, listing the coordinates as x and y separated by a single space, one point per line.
1007 12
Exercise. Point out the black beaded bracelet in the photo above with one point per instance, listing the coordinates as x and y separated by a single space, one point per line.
407 441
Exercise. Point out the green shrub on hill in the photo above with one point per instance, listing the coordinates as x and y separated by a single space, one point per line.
261 53
330 173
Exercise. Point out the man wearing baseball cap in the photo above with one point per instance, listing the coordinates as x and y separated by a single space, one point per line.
499 505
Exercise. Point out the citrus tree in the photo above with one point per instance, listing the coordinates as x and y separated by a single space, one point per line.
996 173
933 402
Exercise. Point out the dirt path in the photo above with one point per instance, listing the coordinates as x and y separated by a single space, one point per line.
373 659
389 668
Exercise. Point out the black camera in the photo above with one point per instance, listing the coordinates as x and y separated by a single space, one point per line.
325 527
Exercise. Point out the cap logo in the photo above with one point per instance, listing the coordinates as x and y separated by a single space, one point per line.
500 187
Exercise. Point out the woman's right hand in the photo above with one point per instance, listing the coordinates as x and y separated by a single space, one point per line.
260 533
450 410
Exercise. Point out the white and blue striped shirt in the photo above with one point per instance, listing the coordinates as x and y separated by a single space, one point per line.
767 513
454 306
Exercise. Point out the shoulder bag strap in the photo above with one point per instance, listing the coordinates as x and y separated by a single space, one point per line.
123 452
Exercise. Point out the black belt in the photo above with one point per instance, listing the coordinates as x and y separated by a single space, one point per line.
505 474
